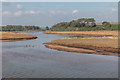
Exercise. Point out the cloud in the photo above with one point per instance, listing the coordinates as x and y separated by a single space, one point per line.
7 13
114 9
57 12
19 6
18 13
75 11
32 12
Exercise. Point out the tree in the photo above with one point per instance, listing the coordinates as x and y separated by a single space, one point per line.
19 28
93 24
47 28
106 24
82 23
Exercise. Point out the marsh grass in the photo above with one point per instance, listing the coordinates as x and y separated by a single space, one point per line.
15 36
99 33
100 42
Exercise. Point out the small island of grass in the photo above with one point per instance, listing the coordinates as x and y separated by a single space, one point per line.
91 45
12 36
13 32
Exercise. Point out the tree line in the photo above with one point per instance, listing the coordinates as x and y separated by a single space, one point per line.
19 28
83 24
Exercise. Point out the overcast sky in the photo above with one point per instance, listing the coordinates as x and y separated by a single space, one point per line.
49 13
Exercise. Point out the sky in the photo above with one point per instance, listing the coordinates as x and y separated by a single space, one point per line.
49 13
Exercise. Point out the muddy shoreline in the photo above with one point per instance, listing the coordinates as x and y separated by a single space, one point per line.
83 49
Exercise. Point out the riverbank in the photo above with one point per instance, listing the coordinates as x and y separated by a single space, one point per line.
91 45
13 36
96 33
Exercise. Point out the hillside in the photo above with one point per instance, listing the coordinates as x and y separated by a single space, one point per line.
84 24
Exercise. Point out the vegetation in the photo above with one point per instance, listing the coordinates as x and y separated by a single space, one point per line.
19 28
108 42
15 36
106 24
90 45
94 33
83 24
102 42
46 28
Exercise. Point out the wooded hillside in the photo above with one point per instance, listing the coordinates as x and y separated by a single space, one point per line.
83 24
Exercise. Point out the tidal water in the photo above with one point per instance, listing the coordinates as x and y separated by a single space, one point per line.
31 59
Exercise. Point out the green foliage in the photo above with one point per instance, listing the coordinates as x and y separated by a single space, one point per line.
47 28
19 28
83 24
74 25
106 24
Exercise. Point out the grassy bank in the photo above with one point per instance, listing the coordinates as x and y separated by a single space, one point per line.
99 33
91 45
10 36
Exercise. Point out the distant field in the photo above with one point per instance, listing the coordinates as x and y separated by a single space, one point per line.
102 33
15 36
